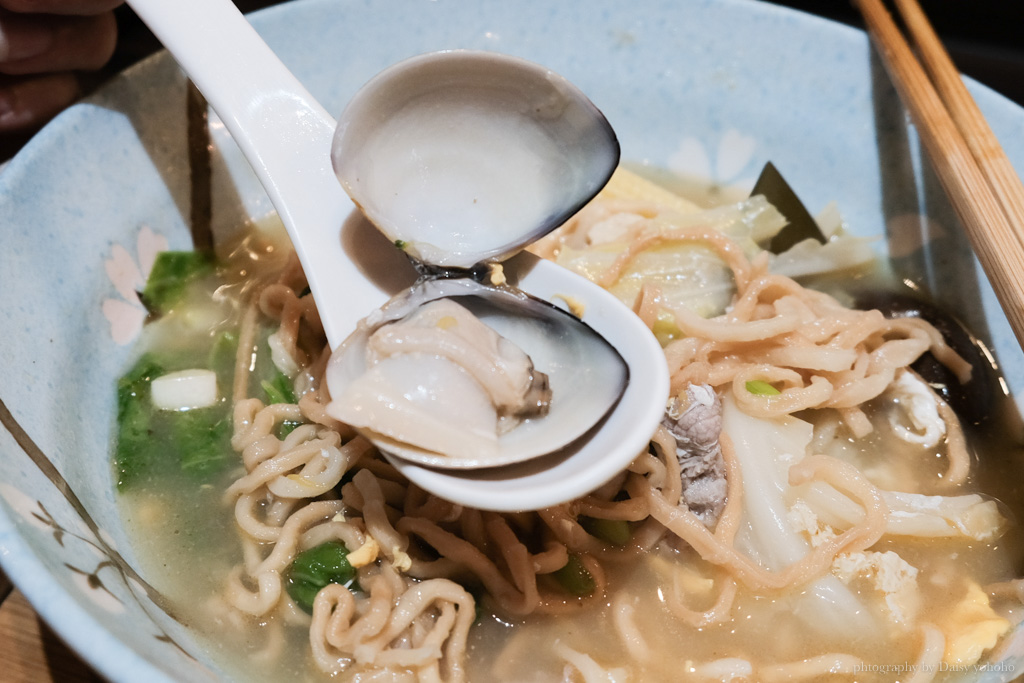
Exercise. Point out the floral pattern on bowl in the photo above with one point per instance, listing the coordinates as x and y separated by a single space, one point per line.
128 274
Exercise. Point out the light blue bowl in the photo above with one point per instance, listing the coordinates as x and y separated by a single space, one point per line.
710 87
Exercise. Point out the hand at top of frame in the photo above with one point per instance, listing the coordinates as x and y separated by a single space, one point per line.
43 45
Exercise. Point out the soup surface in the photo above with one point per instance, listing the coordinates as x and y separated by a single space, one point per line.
811 509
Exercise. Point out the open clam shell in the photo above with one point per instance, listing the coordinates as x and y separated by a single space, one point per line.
463 157
586 374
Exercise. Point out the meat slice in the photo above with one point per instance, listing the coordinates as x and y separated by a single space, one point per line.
695 421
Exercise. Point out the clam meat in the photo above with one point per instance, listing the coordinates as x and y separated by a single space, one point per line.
462 159
437 362
459 374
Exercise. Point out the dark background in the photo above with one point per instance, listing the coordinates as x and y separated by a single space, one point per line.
984 38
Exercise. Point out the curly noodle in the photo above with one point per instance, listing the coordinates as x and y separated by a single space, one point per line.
410 616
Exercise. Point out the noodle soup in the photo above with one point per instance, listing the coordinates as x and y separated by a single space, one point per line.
809 510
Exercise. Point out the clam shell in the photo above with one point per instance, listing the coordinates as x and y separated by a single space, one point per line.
465 157
586 374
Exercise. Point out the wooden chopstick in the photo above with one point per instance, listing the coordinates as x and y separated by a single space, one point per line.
988 215
978 134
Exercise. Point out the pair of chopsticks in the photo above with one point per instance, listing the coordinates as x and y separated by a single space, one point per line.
968 160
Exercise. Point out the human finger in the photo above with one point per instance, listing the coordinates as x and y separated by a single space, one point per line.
79 7
29 102
36 43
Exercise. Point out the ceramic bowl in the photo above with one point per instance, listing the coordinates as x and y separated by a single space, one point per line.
705 89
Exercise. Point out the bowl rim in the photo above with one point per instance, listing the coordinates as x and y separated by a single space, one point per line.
86 635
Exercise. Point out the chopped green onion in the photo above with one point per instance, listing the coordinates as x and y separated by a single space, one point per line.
313 569
615 531
575 578
665 329
401 244
759 387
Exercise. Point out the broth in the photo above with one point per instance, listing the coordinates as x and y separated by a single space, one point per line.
632 629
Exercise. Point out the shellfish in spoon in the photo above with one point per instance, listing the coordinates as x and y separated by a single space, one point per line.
462 159
287 138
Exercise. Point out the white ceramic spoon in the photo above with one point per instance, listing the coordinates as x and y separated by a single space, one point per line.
287 137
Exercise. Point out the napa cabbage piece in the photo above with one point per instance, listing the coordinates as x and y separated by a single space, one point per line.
840 250
627 185
688 274
765 450
810 257
889 575
691 274
968 516
574 577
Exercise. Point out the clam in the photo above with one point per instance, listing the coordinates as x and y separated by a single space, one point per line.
462 370
465 157
430 406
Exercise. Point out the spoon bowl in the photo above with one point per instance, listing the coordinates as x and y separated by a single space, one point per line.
287 138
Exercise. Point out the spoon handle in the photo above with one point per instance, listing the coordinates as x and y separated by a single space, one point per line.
285 135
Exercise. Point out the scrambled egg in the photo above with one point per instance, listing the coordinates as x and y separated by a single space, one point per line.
889 574
886 572
366 554
971 627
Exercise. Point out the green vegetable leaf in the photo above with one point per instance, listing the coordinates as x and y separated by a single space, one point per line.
313 569
279 389
287 427
478 593
575 578
171 273
133 443
221 358
145 370
202 438
153 442
759 387
615 531
134 447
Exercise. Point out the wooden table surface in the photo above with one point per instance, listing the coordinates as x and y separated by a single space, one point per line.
29 649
